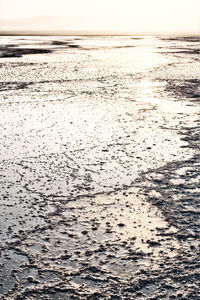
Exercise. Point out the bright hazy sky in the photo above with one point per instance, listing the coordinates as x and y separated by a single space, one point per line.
139 15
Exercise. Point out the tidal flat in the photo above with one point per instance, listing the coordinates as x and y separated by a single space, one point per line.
99 167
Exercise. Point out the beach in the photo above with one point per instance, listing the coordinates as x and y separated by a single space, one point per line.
99 167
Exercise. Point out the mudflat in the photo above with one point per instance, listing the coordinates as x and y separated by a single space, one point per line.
99 168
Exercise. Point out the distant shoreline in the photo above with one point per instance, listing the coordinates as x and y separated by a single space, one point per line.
89 33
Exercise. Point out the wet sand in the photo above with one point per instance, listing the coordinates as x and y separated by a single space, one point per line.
99 168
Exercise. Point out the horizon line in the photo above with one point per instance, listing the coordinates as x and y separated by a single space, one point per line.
91 33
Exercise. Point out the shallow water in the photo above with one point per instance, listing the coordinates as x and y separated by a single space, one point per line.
99 167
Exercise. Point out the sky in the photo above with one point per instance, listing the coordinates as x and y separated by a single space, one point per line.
162 16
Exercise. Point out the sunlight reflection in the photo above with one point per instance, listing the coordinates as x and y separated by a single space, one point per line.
146 88
147 55
146 91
